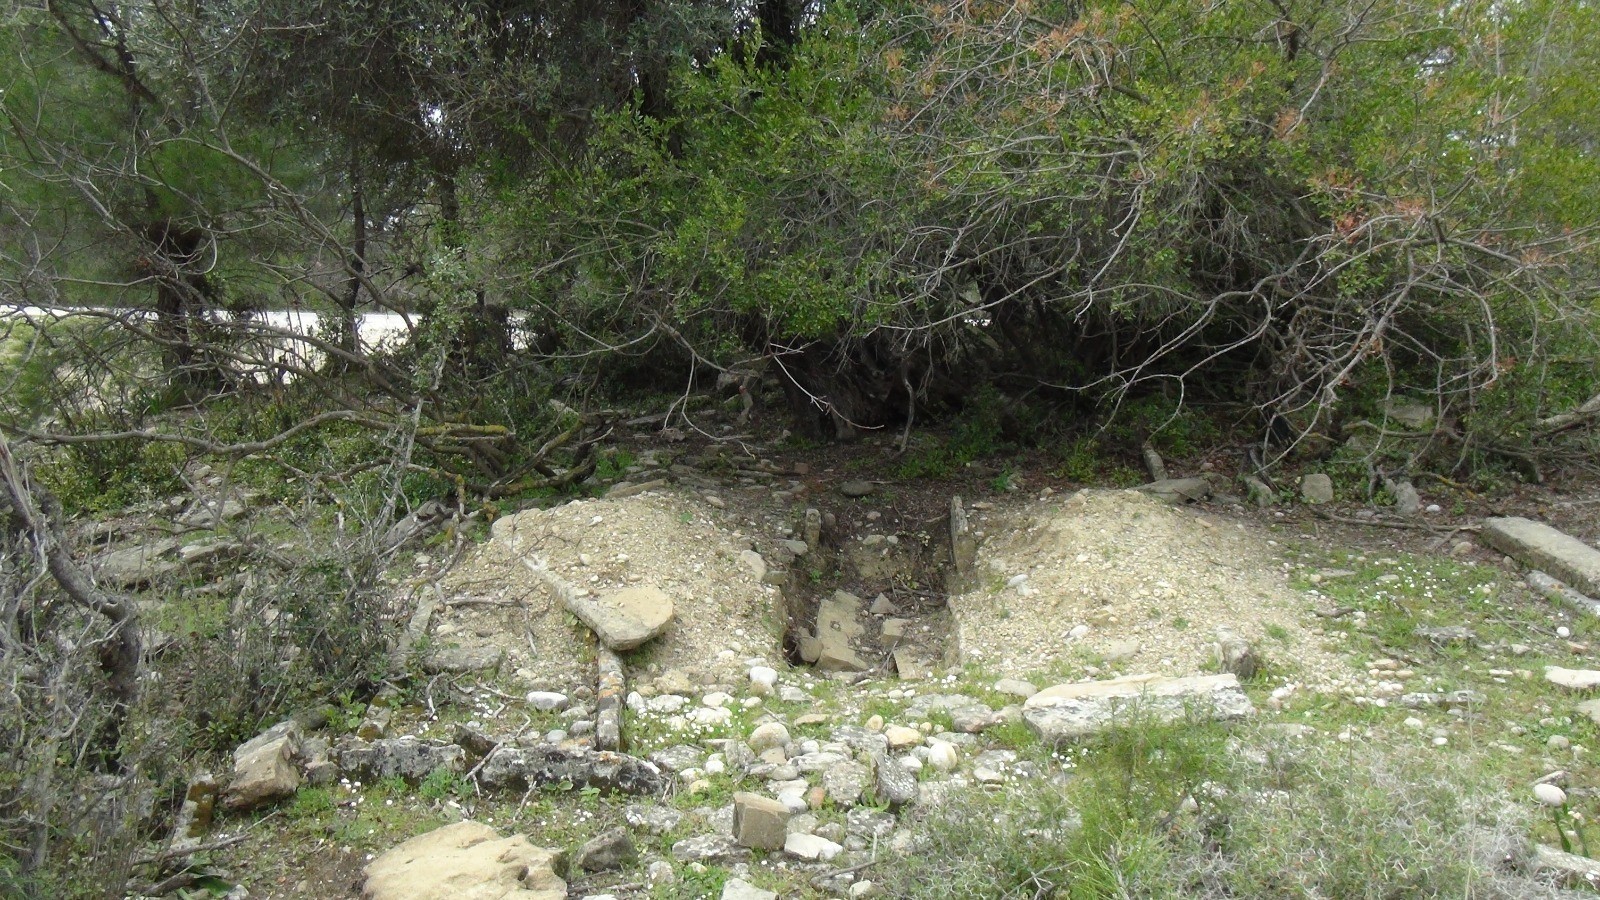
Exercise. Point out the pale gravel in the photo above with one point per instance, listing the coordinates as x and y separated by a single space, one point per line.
722 613
1130 568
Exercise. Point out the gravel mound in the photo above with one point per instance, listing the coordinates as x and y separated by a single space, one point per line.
723 613
1116 580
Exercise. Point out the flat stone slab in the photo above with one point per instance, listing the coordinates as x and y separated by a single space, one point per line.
1073 711
625 619
1539 546
1572 679
467 860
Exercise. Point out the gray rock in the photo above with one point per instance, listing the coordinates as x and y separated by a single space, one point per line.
837 627
462 660
1590 708
798 548
547 701
1317 488
625 619
856 489
973 719
759 822
517 768
132 567
811 847
609 850
1445 635
466 859
739 889
709 848
264 769
1258 492
1069 712
1409 415
1406 500
1541 547
1559 592
1234 654
892 783
963 544
654 819
405 757
1015 687
845 783
1569 868
678 757
1178 490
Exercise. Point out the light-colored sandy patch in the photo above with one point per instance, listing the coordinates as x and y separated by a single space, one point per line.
1116 579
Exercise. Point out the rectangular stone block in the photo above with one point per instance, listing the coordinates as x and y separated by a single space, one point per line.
759 822
1539 546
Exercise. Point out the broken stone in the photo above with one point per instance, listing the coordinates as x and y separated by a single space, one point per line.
1178 490
811 847
845 783
468 860
264 769
1072 711
1317 488
857 489
607 851
759 822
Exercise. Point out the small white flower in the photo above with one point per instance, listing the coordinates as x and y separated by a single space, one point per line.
1550 795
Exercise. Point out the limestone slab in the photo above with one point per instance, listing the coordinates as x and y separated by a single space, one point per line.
1539 546
464 861
1073 711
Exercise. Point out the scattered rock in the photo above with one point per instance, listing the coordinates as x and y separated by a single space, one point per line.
856 489
264 769
768 736
1570 868
708 848
811 847
468 860
1406 501
1072 711
845 783
1178 490
1316 488
1258 492
654 819
739 889
610 850
462 660
132 567
1234 654
893 783
1015 687
901 737
1445 635
943 756
1590 708
759 822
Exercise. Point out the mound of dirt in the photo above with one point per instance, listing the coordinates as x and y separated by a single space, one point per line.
1116 579
723 613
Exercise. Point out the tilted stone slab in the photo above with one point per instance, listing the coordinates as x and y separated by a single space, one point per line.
1069 712
1539 546
625 619
464 861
